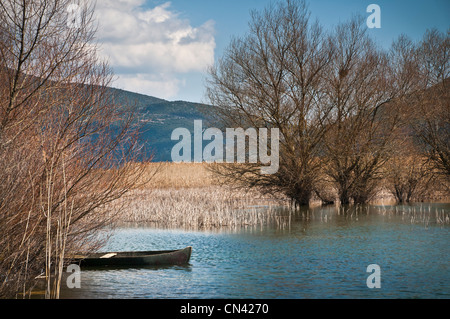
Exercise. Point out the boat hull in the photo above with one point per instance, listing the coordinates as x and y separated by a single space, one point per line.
133 259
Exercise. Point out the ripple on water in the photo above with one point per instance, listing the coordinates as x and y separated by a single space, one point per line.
311 259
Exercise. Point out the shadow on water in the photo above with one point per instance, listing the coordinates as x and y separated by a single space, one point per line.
187 267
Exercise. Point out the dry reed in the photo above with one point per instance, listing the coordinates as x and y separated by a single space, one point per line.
177 175
189 196
198 208
423 214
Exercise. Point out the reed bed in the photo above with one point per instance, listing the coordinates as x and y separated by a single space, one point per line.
199 208
423 214
190 196
177 175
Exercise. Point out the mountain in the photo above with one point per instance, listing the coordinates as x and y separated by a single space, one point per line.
157 118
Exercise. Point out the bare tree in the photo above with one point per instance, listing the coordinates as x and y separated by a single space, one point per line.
431 120
420 165
342 104
273 78
64 142
408 175
359 88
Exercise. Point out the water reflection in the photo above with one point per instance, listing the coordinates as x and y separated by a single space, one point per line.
318 252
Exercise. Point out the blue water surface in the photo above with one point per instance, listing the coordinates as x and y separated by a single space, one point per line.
322 253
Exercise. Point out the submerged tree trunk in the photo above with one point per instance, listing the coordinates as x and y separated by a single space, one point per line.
271 79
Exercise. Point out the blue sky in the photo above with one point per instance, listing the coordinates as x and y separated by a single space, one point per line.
162 48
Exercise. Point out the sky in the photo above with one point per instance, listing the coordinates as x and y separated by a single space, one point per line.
163 48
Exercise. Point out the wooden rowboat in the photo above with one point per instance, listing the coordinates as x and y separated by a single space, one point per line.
136 258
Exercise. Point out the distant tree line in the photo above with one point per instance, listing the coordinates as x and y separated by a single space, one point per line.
352 116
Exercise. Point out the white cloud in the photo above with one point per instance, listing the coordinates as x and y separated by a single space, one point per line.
158 14
151 47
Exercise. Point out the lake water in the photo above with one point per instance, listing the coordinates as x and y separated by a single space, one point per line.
321 254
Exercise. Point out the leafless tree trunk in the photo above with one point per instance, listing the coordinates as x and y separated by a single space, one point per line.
273 78
431 120
421 159
409 175
339 102
362 123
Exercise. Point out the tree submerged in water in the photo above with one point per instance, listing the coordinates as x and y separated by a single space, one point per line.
338 100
